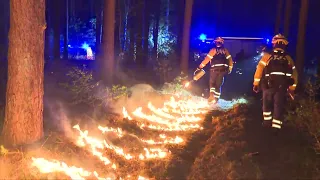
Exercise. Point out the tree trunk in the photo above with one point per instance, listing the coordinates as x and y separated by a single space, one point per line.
139 32
24 105
131 28
287 17
301 37
146 32
180 25
108 40
278 18
157 10
99 14
65 31
186 37
56 28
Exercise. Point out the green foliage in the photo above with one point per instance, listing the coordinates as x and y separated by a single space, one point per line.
176 86
85 90
81 86
305 112
118 91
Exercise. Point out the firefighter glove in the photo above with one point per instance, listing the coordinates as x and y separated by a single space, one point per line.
255 89
229 71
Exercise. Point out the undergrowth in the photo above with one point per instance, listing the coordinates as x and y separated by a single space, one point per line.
176 86
84 89
305 111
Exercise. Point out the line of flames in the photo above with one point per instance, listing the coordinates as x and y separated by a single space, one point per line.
175 115
165 140
75 173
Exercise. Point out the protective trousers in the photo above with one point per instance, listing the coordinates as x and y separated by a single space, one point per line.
215 83
274 100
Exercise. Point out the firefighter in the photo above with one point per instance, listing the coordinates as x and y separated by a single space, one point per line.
276 74
221 64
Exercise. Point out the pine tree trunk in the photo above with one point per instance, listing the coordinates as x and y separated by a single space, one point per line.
287 17
180 3
65 31
108 40
139 33
156 5
56 28
186 37
146 32
301 37
98 25
24 104
278 18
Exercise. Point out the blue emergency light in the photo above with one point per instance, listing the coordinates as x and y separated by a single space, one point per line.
203 37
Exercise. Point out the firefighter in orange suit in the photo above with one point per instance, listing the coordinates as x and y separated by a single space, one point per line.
276 74
221 64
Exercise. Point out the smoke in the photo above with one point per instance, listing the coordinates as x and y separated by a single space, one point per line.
57 118
139 95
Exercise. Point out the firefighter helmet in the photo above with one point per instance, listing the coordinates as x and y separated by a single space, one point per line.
219 41
279 39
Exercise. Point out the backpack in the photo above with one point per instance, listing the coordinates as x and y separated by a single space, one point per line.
219 60
278 71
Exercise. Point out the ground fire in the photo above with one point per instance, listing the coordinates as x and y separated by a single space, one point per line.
176 116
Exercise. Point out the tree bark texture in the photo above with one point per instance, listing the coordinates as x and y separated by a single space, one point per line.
186 37
301 37
24 101
108 40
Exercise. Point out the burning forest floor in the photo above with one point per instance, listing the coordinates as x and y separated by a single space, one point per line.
175 139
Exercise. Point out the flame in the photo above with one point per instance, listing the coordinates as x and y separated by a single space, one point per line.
187 84
170 125
175 115
164 140
94 144
181 119
75 173
176 140
125 113
160 153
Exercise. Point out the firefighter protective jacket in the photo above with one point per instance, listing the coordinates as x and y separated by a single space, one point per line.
264 62
212 53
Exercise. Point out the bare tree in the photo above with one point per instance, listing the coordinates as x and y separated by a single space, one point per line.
24 99
186 37
278 17
156 10
301 36
56 27
108 40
